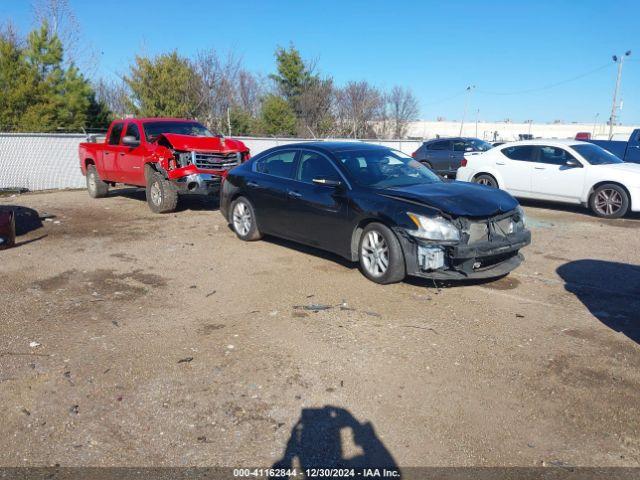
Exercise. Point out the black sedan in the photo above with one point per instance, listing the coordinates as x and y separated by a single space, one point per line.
379 207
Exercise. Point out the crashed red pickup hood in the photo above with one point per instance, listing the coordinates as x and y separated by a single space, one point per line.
204 144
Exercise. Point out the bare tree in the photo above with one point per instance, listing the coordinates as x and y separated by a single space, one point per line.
64 23
250 89
315 104
115 95
402 108
215 86
358 106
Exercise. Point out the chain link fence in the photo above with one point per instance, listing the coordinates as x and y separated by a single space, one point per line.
42 161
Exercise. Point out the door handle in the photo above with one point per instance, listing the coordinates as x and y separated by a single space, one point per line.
107 153
294 194
539 168
122 154
253 184
499 163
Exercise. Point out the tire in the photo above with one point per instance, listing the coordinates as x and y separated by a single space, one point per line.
162 195
486 179
609 201
96 187
378 243
243 220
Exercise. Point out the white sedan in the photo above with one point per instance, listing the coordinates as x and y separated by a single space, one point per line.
566 171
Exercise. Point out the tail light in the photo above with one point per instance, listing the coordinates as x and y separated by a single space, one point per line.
414 154
463 163
246 156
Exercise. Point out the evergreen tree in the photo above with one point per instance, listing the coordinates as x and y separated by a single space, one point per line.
278 118
163 86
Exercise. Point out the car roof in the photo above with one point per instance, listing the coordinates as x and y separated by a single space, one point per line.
551 142
157 119
333 146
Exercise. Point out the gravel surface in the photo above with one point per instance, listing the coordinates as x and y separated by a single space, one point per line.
132 339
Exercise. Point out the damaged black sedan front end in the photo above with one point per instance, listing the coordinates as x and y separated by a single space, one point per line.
486 248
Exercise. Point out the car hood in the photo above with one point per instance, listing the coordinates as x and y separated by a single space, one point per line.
204 144
625 167
458 199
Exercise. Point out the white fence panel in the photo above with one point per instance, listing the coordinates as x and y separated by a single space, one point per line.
42 161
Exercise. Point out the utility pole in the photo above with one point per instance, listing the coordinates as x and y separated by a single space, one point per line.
466 105
619 60
477 115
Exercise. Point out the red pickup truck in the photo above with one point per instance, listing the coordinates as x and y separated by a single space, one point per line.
168 156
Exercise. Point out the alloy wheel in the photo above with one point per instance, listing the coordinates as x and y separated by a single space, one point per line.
156 193
608 201
375 254
242 219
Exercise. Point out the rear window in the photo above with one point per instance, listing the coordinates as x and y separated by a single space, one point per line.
523 152
444 145
116 131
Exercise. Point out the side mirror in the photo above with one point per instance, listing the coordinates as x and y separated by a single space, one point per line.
468 149
130 141
327 182
573 163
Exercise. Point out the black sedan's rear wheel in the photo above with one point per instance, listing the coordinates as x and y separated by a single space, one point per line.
609 201
380 255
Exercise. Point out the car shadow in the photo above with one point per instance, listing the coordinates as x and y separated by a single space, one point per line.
185 202
320 439
571 208
27 220
609 290
316 252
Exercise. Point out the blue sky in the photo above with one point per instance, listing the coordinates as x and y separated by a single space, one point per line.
435 48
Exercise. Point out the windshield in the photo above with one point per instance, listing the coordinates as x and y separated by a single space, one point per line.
480 145
596 155
195 129
385 168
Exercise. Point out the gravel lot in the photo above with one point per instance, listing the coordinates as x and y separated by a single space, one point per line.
128 338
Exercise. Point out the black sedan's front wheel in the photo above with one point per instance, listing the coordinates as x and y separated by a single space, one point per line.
380 255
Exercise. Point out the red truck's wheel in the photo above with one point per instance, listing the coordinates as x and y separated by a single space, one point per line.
96 187
162 196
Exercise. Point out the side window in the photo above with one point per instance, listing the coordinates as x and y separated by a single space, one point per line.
279 164
460 145
133 131
553 155
314 165
444 145
116 131
523 153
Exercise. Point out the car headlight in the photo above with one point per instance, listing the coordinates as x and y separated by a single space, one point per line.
433 228
522 217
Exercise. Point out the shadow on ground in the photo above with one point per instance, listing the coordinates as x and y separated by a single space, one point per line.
26 221
330 437
610 290
185 202
316 252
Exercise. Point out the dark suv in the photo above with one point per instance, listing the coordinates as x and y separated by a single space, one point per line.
443 155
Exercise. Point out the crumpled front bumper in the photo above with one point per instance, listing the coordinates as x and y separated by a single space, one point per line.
477 261
198 184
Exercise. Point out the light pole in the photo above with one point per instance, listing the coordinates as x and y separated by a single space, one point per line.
595 123
477 115
466 105
619 60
